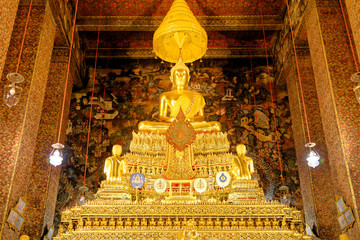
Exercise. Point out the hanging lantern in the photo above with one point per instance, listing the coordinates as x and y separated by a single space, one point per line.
56 156
313 157
11 91
356 78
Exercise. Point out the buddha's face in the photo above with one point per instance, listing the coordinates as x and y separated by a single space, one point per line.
117 149
180 78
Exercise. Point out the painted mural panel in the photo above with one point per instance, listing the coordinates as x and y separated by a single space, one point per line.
127 92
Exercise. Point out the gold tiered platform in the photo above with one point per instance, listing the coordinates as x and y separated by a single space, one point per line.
238 211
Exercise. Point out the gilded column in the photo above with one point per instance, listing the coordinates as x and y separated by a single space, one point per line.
43 185
20 124
333 66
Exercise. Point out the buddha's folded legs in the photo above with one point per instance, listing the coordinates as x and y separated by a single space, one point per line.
161 127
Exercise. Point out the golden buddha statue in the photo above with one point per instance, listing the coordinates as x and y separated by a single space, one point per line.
177 223
112 222
80 224
152 222
275 223
226 223
190 232
103 222
144 222
136 223
217 223
267 223
168 222
201 222
96 222
209 222
160 222
242 223
242 166
234 223
250 223
191 103
128 223
115 166
119 223
259 223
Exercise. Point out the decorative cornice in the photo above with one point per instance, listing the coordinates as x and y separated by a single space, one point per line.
148 53
210 23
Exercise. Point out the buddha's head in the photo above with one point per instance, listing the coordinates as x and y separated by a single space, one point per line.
180 75
241 149
116 150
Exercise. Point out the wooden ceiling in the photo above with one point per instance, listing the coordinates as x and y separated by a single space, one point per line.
234 27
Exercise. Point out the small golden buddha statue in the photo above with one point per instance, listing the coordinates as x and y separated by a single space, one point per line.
202 222
242 166
242 223
259 223
191 103
152 222
119 223
161 222
275 223
112 222
217 223
70 226
190 232
284 224
226 223
292 226
209 222
128 223
136 223
250 223
177 223
80 224
267 223
96 222
144 222
115 166
61 230
234 223
168 222
103 222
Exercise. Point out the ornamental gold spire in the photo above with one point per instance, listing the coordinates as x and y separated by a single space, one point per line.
180 31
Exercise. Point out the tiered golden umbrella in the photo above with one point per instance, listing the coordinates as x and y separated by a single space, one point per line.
180 31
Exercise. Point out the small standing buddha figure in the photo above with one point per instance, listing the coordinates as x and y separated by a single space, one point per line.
192 104
242 166
103 222
115 166
189 232
128 223
80 224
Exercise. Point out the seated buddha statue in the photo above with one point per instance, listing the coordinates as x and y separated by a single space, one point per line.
242 166
115 166
191 103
